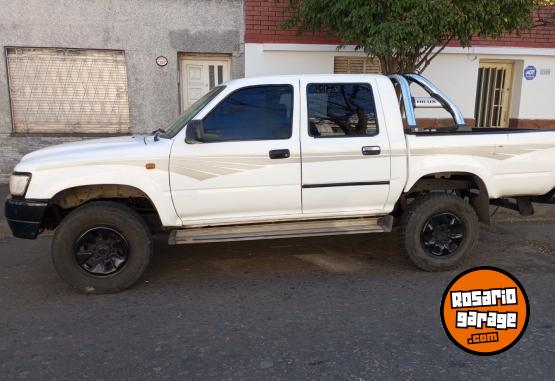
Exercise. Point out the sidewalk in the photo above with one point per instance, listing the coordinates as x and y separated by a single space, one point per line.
543 213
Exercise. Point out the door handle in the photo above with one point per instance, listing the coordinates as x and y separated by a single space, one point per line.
371 150
279 154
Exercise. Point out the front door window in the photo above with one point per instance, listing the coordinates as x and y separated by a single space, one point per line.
252 113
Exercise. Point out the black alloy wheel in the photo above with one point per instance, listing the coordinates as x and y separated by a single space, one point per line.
443 234
102 247
101 250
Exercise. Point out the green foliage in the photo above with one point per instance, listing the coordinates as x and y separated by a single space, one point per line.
405 35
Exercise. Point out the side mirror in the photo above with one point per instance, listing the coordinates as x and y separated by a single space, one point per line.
195 132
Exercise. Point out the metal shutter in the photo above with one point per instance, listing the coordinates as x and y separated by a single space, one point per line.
355 65
68 91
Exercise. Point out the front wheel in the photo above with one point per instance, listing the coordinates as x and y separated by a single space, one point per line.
101 247
437 231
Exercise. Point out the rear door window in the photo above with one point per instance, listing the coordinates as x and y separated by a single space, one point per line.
341 109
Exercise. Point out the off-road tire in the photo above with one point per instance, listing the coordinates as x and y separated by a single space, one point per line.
417 215
102 214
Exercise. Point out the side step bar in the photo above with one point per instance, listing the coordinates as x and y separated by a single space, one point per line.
281 230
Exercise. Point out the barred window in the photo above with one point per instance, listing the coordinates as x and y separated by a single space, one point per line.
68 91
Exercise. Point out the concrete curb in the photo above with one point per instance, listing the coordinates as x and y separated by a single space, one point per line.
5 231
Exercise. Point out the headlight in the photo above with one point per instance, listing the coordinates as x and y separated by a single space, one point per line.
19 183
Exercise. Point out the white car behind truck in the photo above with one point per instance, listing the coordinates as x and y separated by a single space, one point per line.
274 157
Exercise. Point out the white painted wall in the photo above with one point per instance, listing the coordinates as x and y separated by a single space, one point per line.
457 75
537 97
259 61
455 71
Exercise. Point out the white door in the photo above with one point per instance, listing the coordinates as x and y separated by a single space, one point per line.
345 148
200 75
247 167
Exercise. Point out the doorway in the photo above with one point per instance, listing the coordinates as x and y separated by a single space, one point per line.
493 94
200 73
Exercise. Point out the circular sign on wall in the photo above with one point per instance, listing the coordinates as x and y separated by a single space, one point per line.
485 310
161 61
530 72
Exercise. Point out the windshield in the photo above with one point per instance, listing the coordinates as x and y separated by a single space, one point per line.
191 111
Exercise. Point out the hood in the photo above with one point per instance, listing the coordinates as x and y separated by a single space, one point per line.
106 149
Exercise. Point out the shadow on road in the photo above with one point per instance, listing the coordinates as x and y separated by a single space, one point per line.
277 258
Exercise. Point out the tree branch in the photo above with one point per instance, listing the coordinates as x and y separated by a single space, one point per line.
424 54
426 63
540 21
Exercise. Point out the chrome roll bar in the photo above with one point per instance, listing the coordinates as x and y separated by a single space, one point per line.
406 96
409 102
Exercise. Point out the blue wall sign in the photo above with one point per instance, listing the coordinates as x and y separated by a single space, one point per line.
530 72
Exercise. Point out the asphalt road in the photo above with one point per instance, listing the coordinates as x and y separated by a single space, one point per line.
332 308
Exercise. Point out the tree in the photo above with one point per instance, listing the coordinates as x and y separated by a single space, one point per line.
406 35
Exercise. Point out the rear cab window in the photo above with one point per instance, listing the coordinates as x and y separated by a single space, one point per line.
341 110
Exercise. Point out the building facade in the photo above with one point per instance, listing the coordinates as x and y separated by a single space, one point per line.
506 82
76 69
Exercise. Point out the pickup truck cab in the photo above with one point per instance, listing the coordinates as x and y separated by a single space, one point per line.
273 157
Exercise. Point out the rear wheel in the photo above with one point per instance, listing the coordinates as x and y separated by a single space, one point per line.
437 231
101 247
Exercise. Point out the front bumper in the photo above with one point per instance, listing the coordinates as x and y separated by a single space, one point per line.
25 216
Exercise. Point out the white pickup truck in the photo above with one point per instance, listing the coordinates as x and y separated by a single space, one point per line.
274 157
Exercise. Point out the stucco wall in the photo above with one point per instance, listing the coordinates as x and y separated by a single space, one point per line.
144 29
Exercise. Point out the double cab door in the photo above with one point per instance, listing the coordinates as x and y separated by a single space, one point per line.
283 150
345 149
247 166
